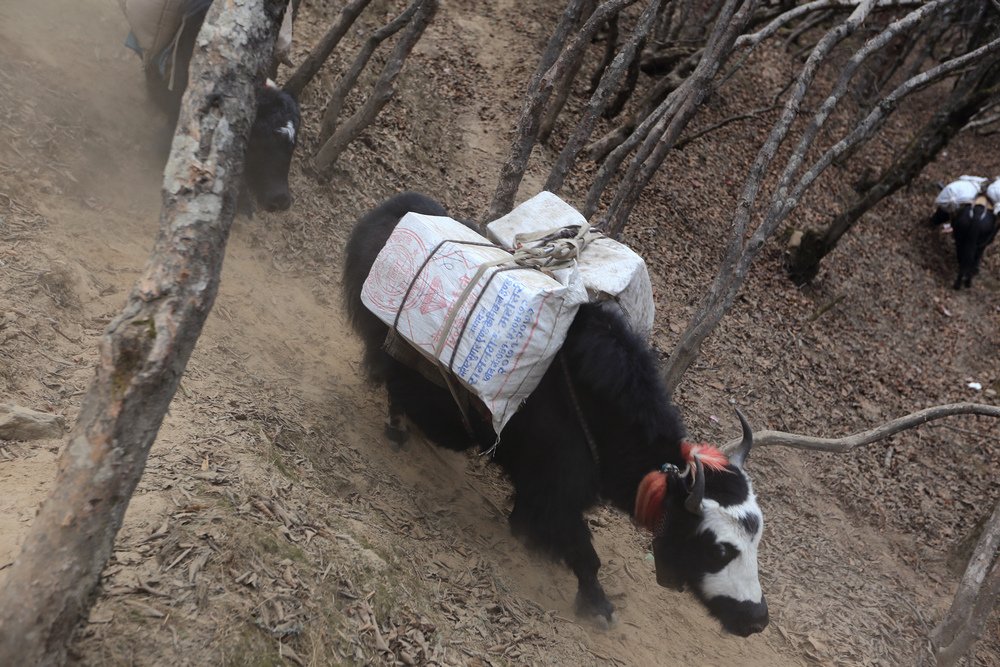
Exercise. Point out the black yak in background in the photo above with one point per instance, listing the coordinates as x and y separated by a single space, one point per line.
974 228
274 134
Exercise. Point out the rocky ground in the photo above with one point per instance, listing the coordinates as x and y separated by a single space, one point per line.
274 524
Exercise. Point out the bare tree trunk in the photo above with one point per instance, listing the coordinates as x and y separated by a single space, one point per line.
610 47
599 100
652 105
513 169
626 88
346 83
324 47
565 86
679 20
327 155
657 145
143 353
977 596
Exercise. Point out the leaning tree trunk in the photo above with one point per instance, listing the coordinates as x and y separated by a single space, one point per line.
143 353
382 92
539 93
977 596
966 100
313 62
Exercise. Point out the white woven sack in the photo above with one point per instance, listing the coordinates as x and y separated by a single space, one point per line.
154 23
956 194
993 194
609 269
497 334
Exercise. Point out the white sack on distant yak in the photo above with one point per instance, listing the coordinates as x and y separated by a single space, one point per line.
993 193
155 24
957 193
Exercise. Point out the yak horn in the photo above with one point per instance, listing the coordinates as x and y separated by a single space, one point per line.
697 494
739 457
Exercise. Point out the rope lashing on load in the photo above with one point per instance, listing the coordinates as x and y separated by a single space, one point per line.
555 248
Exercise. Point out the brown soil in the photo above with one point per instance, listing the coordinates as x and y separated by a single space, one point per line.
274 524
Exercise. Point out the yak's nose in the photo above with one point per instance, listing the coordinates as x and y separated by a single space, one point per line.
742 618
278 201
759 618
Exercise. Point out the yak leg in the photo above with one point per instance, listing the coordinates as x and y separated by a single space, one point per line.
395 424
565 535
591 600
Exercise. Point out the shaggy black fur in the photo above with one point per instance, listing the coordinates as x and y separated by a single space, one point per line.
543 448
975 227
269 152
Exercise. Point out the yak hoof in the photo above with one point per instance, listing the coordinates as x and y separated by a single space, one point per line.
595 604
397 436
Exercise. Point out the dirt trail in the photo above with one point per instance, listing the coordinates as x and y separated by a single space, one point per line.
274 523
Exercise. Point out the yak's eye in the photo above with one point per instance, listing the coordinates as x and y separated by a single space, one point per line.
725 552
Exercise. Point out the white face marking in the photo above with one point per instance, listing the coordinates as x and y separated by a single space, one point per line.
738 579
289 131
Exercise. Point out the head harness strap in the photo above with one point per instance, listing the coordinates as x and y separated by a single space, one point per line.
653 487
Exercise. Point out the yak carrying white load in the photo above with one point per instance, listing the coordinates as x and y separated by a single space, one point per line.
494 319
609 270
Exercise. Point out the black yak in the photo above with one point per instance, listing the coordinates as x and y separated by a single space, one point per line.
273 137
598 428
974 227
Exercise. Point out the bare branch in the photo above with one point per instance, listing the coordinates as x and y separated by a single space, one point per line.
312 63
722 123
557 101
602 95
346 83
534 105
381 94
983 122
753 39
654 149
144 351
847 443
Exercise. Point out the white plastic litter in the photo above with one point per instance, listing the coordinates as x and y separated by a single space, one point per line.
497 333
957 193
975 386
609 269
